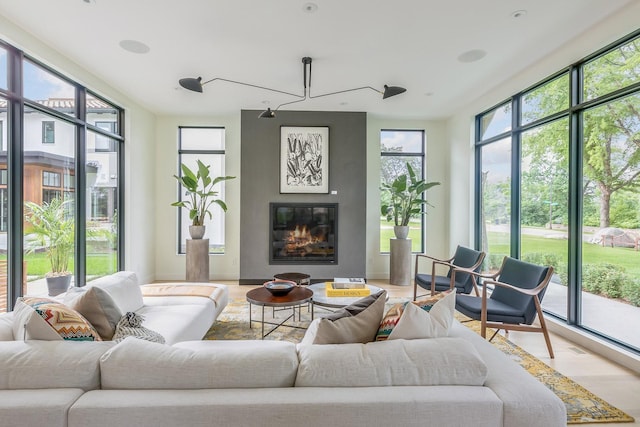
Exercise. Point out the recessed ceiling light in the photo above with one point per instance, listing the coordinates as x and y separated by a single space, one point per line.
519 14
134 46
310 7
472 55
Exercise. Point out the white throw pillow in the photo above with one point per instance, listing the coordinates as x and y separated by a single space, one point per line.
417 323
123 288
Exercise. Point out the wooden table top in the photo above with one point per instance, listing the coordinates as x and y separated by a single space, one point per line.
261 296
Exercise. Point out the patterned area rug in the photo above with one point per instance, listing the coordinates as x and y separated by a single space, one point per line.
582 405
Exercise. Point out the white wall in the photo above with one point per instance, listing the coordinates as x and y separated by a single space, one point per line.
140 141
437 169
170 265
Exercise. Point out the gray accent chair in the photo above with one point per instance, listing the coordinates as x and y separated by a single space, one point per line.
518 289
461 281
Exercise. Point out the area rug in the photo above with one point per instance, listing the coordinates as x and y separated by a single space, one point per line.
582 406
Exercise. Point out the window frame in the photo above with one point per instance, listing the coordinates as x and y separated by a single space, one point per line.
574 114
183 151
76 116
423 172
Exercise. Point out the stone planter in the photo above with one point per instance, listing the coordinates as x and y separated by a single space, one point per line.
197 231
58 284
401 231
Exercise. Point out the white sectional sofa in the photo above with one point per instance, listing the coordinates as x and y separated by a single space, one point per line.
460 380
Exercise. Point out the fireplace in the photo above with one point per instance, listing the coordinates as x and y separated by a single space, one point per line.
303 233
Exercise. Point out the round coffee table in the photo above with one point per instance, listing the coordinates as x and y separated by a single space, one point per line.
321 299
262 297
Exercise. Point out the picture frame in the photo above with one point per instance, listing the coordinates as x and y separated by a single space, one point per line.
304 159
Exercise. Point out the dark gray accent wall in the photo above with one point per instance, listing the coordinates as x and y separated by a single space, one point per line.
260 185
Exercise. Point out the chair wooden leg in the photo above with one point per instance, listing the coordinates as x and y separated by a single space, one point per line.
543 326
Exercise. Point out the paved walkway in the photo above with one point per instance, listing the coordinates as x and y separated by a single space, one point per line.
610 317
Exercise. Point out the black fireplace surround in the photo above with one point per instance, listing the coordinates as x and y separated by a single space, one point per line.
303 233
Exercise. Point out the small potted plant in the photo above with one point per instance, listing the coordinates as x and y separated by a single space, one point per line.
200 196
406 200
54 230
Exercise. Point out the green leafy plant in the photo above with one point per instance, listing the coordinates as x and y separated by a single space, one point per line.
54 231
200 195
406 194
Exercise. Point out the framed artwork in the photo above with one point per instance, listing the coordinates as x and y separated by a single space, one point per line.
304 159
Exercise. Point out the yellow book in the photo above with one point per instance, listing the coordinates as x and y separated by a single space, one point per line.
340 290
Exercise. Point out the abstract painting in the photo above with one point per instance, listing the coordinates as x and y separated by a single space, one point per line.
304 159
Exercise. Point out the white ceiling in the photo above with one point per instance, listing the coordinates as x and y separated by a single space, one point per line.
353 43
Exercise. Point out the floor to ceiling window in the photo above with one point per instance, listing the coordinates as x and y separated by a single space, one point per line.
60 169
574 144
206 144
397 148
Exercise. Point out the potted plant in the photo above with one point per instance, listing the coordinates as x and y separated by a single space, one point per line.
53 230
406 201
200 196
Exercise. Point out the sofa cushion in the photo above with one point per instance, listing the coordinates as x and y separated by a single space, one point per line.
51 364
6 326
45 319
97 306
355 323
179 322
394 314
418 323
138 364
123 288
423 362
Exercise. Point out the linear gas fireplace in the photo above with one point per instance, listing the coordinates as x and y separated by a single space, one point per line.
303 233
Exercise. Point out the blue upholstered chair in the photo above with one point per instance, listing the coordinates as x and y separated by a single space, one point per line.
462 282
518 289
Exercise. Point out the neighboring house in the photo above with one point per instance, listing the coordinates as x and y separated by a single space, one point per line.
49 166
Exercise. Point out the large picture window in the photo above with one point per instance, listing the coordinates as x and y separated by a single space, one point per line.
49 151
397 148
574 185
206 144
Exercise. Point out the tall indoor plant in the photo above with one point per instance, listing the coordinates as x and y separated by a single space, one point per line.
200 196
53 229
406 200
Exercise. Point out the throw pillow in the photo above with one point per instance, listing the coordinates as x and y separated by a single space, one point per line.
417 323
97 306
45 319
123 288
395 313
131 326
355 323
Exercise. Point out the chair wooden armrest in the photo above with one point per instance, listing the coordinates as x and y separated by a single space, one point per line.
469 270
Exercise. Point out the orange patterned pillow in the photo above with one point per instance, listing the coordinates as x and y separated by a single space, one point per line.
46 319
392 317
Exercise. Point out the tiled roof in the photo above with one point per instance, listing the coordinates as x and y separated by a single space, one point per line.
66 103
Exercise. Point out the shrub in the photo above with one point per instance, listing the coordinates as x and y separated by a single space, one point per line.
606 279
631 292
540 258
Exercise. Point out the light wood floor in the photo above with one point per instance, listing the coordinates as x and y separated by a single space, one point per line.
613 383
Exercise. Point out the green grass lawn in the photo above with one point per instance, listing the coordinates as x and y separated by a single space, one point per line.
386 233
98 264
591 253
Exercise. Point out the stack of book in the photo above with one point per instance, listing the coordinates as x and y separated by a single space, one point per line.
347 287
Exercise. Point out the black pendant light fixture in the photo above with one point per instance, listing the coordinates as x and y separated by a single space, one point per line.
195 84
